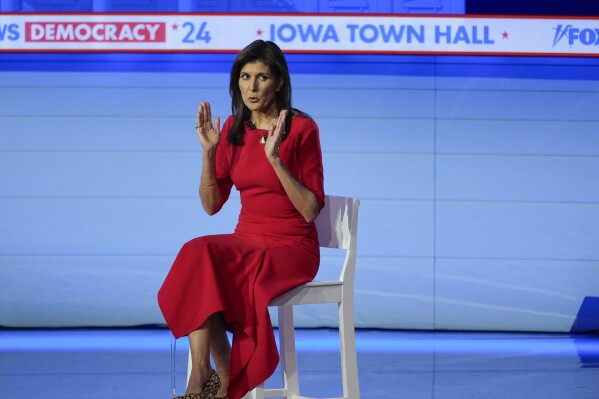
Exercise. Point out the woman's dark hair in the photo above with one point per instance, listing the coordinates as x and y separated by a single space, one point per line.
270 54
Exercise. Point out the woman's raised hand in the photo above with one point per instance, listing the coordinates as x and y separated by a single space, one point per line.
208 133
275 134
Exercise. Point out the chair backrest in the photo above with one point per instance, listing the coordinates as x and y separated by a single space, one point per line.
337 227
337 223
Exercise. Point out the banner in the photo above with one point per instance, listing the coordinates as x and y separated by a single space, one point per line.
299 33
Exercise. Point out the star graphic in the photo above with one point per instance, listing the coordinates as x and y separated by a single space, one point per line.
259 32
505 35
175 26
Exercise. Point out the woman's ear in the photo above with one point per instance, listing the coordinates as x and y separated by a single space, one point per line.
279 86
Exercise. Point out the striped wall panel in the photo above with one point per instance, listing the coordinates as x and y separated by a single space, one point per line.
479 198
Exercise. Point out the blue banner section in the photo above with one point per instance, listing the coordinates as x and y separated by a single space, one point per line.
289 6
398 65
587 320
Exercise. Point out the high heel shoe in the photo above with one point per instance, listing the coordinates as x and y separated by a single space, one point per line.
208 390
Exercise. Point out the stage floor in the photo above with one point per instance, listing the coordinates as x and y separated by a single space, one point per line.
135 363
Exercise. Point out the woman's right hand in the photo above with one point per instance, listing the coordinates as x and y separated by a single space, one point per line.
208 133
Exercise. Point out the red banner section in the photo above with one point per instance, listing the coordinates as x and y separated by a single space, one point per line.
95 32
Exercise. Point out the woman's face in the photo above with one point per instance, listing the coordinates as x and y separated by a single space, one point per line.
259 86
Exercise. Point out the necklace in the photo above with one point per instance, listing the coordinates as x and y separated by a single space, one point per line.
252 126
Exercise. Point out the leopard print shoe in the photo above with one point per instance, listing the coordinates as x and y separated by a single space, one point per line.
208 391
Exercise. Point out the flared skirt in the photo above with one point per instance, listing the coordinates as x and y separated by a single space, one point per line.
238 275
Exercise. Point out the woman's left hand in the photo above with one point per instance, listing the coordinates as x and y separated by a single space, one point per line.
273 140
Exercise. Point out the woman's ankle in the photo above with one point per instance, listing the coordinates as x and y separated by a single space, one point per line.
198 377
224 383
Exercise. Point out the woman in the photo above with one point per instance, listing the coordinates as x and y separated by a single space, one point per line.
271 153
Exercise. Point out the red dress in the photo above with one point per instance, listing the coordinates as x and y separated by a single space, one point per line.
272 250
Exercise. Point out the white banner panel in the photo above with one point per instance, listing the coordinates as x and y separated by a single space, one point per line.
300 33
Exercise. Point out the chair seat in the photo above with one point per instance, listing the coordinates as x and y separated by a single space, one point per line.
311 293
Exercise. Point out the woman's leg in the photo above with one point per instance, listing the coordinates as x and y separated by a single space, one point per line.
199 344
221 351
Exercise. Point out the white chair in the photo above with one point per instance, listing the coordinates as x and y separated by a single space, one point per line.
337 227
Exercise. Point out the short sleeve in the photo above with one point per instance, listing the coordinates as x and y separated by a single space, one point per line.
310 161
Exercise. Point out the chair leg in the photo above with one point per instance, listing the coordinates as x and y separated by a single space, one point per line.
349 361
256 393
188 367
288 353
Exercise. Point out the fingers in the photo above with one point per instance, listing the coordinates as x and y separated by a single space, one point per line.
278 130
281 120
283 115
208 112
217 124
208 133
204 115
199 116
